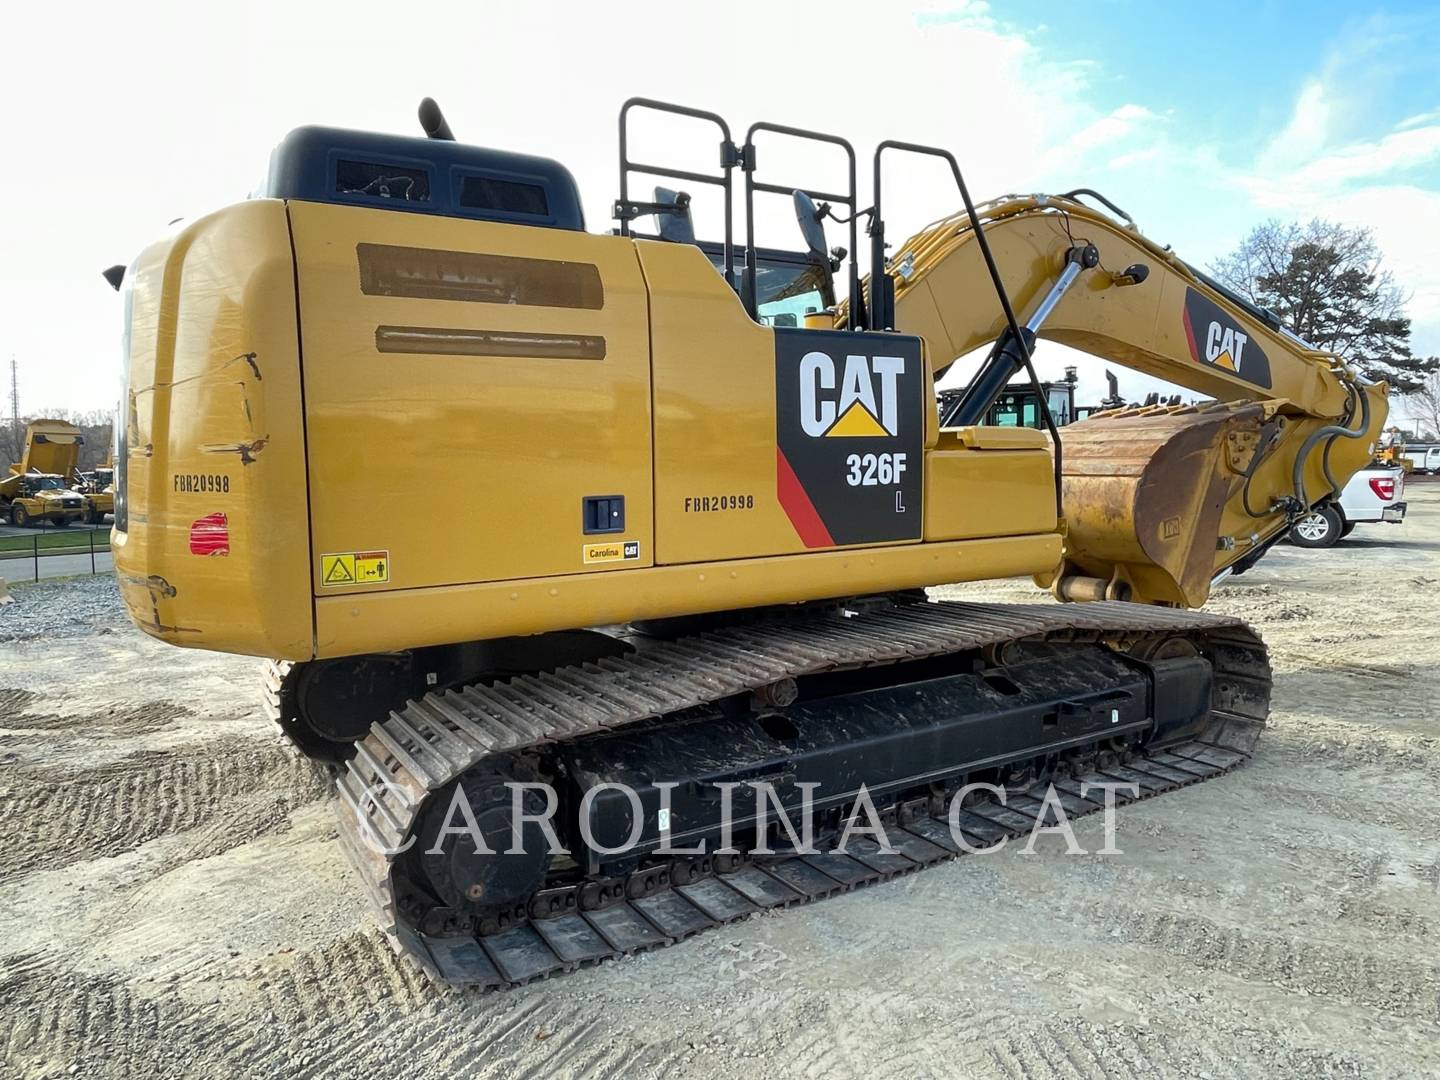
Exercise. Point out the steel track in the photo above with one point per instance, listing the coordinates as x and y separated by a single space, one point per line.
416 752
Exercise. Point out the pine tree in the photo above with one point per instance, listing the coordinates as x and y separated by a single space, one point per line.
1326 283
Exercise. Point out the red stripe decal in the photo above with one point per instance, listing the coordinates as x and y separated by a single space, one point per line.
798 507
1190 334
210 535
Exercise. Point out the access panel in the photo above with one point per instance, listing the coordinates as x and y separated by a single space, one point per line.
469 386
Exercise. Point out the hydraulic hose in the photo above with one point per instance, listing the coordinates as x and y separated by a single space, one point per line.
1331 432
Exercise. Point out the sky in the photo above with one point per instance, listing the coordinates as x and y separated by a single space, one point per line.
1201 120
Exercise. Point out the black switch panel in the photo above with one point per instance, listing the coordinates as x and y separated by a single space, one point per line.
603 514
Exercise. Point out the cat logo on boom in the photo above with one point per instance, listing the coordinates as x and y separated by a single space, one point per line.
1215 338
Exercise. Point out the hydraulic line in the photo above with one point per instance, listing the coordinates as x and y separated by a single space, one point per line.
1332 432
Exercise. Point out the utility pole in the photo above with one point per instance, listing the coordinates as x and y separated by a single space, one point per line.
14 447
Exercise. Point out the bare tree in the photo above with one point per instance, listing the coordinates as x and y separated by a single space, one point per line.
1326 283
12 444
1424 404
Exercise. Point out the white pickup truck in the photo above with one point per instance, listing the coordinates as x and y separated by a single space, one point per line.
1373 494
1423 459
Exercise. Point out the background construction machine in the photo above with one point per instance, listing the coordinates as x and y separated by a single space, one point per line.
698 489
97 488
1019 404
36 491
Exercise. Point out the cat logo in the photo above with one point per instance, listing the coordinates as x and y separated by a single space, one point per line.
1215 338
859 401
850 435
1224 346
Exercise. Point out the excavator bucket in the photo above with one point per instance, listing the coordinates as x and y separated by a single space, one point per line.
1144 492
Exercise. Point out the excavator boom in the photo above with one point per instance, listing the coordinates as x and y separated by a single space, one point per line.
1158 501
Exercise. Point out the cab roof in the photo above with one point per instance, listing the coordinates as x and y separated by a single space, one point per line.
423 176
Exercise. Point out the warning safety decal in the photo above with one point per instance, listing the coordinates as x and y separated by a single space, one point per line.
355 568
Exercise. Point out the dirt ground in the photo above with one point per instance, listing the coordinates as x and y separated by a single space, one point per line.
172 901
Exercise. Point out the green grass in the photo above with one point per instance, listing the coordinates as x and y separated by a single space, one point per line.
71 539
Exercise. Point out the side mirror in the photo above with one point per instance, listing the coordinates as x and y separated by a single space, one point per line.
674 225
115 275
809 216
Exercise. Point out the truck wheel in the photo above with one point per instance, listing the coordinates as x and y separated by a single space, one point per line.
18 517
1317 529
1347 529
61 523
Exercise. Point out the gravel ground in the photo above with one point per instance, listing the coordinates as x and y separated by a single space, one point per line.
68 607
172 900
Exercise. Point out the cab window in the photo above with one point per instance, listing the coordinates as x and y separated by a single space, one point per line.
786 293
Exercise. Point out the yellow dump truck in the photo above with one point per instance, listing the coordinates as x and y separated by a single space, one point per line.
36 490
97 488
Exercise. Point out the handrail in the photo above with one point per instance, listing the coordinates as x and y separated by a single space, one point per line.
882 296
729 158
752 186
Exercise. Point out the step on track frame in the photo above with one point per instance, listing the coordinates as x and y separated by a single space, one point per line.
420 749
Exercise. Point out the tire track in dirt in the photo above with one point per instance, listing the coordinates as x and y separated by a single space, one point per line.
321 999
868 1035
1080 1051
119 720
1313 738
56 817
14 702
78 1025
1398 986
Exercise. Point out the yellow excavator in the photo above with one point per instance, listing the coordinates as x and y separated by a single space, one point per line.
697 490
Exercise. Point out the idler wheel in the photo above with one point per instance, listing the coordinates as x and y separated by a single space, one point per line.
483 877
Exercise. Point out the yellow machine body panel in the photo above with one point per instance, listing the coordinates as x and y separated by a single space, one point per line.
467 385
376 621
354 430
714 371
211 531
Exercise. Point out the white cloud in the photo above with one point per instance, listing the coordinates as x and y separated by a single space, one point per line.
170 109
1418 120
1307 132
1336 168
1366 183
1119 125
